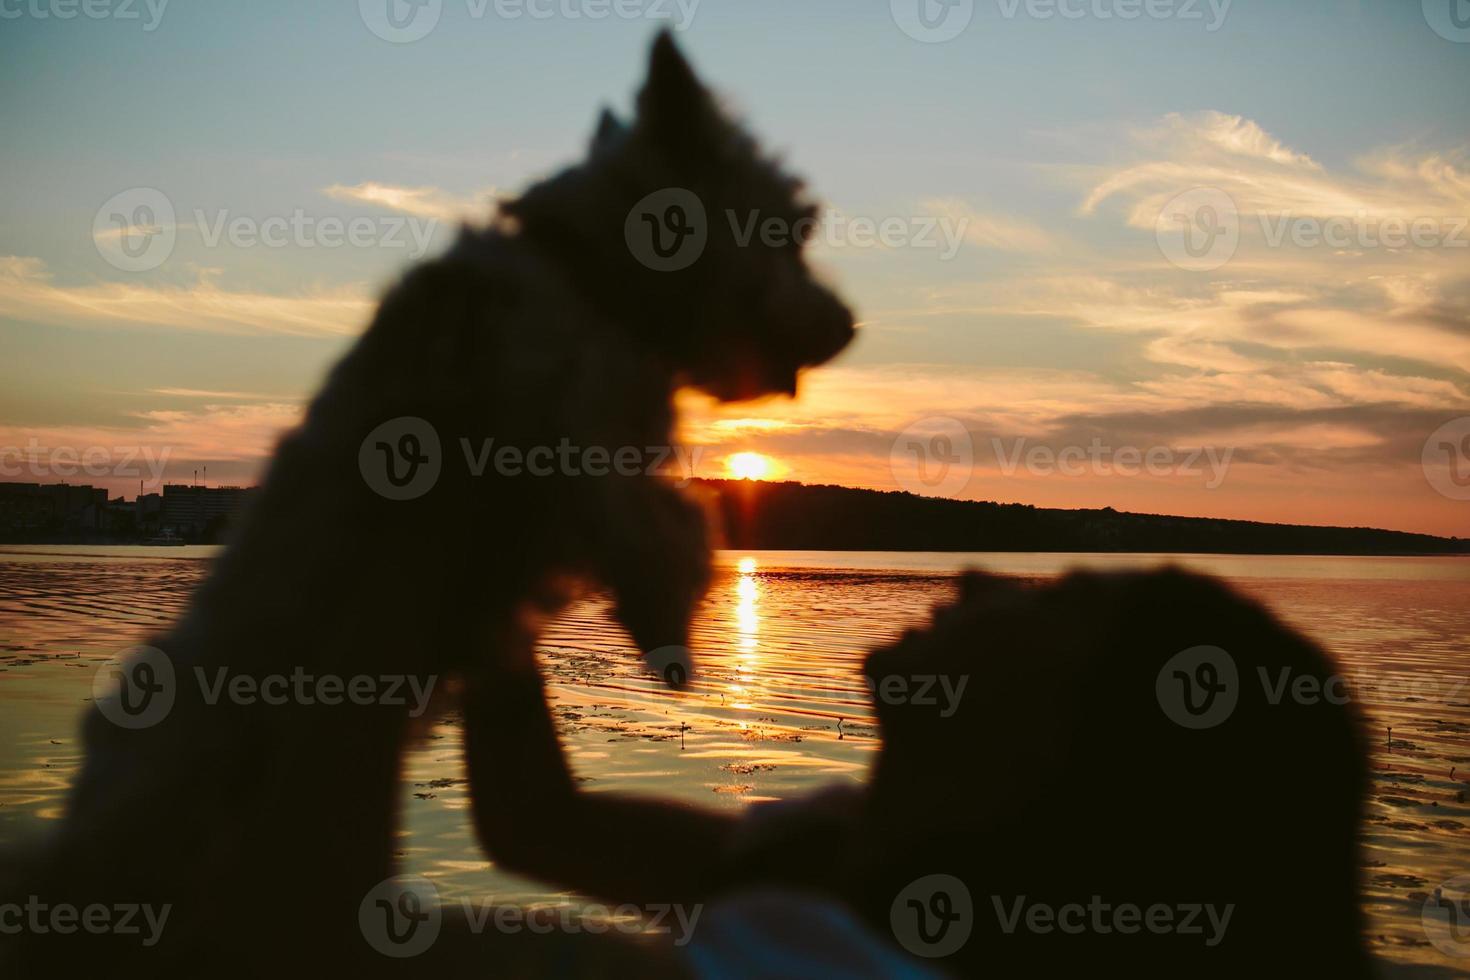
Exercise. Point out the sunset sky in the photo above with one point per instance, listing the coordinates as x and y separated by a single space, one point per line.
1049 147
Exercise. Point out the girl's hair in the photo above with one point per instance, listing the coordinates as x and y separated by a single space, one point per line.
1071 772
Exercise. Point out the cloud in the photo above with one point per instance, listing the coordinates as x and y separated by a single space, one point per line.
1322 368
234 441
245 396
1263 176
28 292
1241 137
998 232
424 202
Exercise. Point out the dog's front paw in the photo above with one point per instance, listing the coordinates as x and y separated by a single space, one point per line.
658 571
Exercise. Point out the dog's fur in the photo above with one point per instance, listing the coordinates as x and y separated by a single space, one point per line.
542 327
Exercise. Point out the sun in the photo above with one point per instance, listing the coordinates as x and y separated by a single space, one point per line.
748 466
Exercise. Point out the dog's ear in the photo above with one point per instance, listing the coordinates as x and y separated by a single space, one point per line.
673 105
610 134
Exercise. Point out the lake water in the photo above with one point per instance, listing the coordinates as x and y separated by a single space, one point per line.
779 642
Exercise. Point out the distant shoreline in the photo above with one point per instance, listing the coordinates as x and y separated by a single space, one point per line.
788 516
798 517
11 547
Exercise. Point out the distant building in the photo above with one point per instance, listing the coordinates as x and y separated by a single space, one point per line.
189 509
122 515
53 506
148 509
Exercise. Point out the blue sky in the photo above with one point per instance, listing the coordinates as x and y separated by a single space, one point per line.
1052 140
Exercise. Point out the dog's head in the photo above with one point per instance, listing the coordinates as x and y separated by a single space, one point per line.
683 232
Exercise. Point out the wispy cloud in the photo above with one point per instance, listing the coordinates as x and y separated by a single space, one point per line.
234 441
29 292
1262 175
424 202
232 396
989 230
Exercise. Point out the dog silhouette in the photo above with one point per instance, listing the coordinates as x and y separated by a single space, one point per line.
376 548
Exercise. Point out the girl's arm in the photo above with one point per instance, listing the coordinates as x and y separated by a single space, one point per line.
532 819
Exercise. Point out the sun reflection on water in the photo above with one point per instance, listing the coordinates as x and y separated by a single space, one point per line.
747 606
747 632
